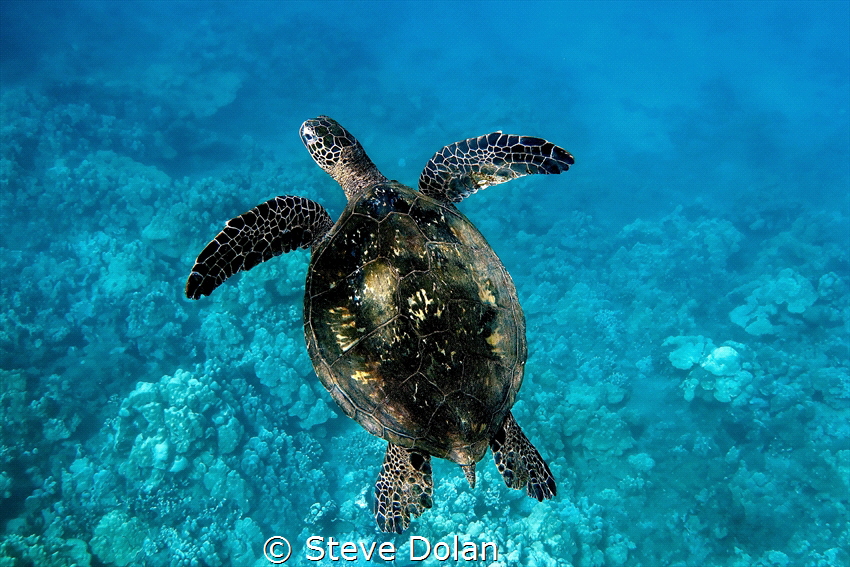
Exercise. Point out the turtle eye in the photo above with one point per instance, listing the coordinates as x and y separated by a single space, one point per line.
308 135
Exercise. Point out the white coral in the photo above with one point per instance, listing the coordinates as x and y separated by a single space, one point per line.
722 361
689 351
757 314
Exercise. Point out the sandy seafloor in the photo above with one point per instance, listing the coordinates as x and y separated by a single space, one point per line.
685 284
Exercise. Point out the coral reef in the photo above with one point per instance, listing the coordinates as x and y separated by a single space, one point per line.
687 378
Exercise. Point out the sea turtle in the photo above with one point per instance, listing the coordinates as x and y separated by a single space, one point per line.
411 321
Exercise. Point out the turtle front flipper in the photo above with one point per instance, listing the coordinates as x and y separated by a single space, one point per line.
519 462
268 230
463 168
404 488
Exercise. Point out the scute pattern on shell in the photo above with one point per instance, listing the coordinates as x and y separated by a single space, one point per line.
416 323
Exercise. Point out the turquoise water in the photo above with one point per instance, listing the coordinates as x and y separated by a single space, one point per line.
685 284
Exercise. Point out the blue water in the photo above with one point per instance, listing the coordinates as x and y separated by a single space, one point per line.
686 284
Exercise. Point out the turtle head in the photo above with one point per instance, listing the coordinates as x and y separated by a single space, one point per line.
339 153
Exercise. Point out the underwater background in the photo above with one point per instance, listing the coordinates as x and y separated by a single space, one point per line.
686 284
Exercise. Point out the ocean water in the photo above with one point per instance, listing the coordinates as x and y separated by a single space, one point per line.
686 284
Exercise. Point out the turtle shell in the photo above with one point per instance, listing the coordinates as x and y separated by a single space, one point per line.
413 323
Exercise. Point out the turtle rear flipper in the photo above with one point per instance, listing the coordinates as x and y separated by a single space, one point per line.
519 462
279 225
462 168
404 488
